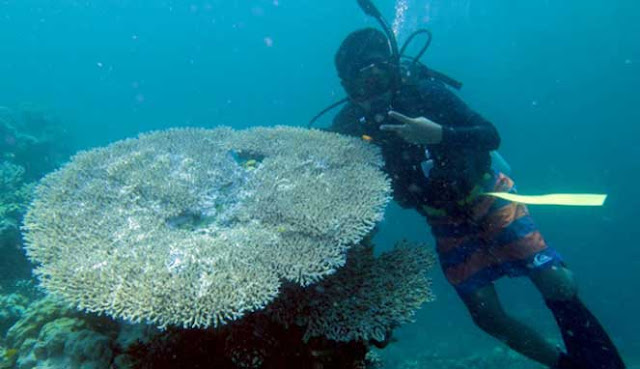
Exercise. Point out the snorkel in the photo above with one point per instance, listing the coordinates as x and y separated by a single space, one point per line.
370 9
397 55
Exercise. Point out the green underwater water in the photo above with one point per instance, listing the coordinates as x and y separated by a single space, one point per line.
558 79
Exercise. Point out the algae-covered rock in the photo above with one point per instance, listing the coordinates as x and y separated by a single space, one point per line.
8 357
12 307
66 343
35 317
51 335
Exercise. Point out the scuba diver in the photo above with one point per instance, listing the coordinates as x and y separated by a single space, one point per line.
437 154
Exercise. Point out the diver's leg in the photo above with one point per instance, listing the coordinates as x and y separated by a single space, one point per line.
488 314
587 343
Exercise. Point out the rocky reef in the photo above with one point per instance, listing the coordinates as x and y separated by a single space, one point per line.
32 143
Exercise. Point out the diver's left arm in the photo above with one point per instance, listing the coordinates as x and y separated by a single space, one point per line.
479 133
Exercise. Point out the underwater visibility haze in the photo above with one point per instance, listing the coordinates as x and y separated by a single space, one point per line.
558 80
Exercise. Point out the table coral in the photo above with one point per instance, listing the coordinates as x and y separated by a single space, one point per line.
177 228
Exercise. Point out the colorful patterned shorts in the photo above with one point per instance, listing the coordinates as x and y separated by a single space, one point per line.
492 239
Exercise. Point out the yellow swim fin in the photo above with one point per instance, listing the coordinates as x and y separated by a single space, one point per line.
568 199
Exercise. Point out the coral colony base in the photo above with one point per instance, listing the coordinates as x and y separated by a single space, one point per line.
330 324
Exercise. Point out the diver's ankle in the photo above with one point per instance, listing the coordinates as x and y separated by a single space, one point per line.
565 362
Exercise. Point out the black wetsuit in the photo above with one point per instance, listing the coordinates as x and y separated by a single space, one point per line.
460 160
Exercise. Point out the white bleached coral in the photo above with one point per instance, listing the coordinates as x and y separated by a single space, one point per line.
196 227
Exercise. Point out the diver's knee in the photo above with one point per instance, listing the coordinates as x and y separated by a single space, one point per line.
566 288
556 283
492 323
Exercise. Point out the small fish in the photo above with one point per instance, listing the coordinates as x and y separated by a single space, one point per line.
10 353
367 138
250 163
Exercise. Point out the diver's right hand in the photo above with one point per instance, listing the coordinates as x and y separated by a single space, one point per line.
421 130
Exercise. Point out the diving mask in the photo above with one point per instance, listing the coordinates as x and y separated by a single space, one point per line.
370 81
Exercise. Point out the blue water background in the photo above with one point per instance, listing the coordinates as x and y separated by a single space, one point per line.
560 80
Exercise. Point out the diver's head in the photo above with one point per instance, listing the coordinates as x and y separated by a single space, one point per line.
365 66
